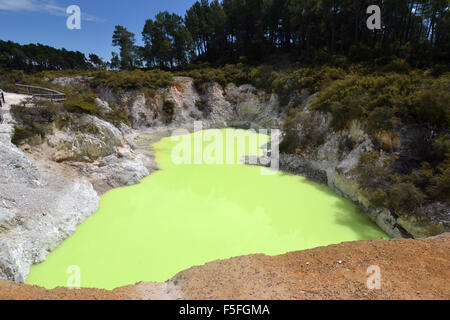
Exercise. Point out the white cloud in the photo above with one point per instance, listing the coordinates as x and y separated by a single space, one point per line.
43 6
17 5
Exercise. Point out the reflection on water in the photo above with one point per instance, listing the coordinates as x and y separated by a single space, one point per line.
188 215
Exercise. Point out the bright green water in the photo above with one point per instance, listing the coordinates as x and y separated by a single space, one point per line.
187 215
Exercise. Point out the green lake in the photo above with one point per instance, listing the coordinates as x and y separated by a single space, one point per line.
189 214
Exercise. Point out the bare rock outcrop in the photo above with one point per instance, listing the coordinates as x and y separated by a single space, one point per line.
84 138
182 104
39 208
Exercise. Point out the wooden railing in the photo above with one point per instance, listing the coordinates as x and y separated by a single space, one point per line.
41 93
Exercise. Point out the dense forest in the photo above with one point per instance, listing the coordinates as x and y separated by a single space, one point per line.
312 31
264 31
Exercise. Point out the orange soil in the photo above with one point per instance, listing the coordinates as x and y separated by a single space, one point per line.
410 269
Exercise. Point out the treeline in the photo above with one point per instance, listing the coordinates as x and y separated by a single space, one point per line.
313 31
38 57
264 31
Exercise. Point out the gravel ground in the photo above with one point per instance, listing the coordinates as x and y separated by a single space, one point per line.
410 269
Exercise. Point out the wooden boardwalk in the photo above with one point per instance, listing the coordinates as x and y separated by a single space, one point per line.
41 93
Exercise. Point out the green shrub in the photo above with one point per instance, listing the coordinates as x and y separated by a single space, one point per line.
374 172
168 110
131 80
387 101
378 198
402 193
441 146
81 105
397 66
32 121
200 105
237 74
117 116
303 131
404 197
21 134
439 187
361 52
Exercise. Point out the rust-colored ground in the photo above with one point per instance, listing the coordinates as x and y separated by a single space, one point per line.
410 269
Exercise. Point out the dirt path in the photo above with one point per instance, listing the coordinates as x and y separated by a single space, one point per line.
410 269
13 98
10 99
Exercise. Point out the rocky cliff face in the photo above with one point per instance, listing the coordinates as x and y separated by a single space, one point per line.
182 104
40 206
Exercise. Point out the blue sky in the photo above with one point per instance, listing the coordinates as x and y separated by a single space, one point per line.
44 21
